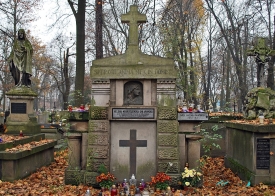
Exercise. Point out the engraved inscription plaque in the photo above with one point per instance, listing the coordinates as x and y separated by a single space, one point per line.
19 108
135 113
263 153
192 116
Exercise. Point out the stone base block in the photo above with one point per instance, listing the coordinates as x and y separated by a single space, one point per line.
74 176
175 178
246 174
90 178
28 128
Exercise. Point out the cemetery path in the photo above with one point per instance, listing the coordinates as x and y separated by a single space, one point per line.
49 181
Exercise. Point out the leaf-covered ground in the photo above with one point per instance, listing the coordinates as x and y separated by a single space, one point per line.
28 146
4 138
50 181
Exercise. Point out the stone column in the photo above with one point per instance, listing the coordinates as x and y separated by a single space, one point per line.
193 150
74 146
182 151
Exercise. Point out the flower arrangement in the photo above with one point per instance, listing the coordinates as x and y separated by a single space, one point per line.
105 180
190 177
161 181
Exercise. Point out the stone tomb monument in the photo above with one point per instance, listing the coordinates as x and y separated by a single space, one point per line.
133 125
16 165
138 93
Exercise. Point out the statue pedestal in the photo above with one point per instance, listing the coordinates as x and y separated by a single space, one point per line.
21 111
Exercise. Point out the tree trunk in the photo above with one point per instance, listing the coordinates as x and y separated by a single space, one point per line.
227 93
67 80
80 52
270 76
222 99
98 32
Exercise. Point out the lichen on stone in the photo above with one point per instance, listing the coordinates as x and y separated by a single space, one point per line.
259 99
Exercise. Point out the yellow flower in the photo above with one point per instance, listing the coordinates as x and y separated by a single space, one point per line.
187 183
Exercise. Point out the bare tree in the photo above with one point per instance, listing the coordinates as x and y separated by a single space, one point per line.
181 31
78 10
62 72
14 14
230 25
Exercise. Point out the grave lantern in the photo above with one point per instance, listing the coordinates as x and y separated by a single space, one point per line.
261 117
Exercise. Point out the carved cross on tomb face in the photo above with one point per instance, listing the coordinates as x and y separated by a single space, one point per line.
262 53
133 18
133 143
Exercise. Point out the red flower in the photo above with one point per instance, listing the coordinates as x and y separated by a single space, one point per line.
160 180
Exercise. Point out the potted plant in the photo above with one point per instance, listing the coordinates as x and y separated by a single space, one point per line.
105 180
190 177
160 181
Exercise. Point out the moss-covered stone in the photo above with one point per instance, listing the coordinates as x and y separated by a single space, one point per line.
21 154
21 91
165 166
259 99
146 168
18 165
24 140
167 126
74 176
167 113
28 128
97 113
90 178
167 101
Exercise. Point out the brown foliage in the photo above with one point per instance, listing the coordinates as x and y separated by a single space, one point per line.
50 181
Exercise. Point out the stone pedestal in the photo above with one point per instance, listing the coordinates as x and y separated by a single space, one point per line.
193 151
21 111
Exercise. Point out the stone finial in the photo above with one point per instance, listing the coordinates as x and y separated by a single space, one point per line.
133 17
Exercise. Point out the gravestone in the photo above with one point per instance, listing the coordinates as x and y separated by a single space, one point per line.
133 126
250 152
22 120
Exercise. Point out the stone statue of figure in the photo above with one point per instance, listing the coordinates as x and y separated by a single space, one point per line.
20 60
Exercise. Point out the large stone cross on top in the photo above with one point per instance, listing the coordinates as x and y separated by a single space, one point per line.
133 18
262 53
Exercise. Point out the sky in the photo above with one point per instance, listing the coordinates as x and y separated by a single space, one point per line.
40 28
